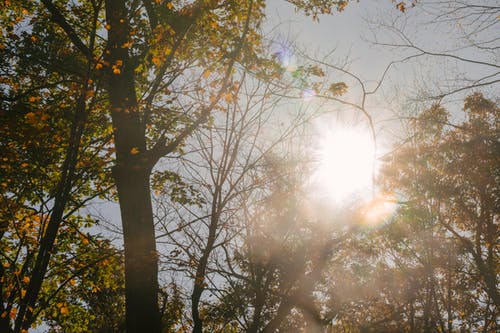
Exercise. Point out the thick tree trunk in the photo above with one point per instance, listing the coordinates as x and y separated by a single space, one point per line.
141 264
131 172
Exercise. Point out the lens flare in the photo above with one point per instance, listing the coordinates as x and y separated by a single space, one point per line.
286 58
308 94
379 210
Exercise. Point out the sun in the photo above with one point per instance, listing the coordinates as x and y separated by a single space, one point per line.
345 163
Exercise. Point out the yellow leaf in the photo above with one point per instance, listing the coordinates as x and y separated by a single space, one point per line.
26 279
170 5
156 61
31 117
64 310
13 313
23 293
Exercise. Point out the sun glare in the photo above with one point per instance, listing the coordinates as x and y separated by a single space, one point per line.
345 163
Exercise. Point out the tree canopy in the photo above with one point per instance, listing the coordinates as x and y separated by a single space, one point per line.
185 115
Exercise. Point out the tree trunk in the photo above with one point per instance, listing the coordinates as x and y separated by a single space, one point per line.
199 281
131 172
25 316
141 264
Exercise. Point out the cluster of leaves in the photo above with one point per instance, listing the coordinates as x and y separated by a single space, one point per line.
41 84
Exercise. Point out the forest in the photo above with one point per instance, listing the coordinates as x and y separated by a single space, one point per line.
253 166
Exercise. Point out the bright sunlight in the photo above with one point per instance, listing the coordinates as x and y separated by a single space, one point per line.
345 163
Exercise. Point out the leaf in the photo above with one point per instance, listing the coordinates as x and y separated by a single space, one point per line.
338 88
13 313
401 7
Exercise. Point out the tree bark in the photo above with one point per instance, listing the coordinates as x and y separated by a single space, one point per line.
131 173
141 264
199 281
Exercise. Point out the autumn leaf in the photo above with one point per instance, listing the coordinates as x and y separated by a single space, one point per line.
401 7
13 313
156 61
338 88
31 117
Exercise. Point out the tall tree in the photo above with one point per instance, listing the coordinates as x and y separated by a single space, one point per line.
164 66
448 174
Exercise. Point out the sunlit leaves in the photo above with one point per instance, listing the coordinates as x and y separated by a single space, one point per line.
338 89
447 174
318 7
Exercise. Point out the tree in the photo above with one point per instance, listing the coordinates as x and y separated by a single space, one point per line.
54 158
158 70
448 174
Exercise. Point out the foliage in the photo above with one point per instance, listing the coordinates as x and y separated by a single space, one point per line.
444 240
